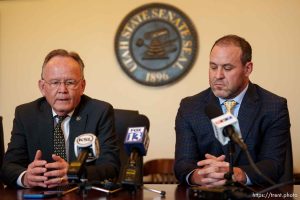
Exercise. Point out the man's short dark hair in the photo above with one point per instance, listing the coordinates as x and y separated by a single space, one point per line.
239 42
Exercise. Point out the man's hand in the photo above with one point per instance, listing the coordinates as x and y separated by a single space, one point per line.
34 174
56 172
239 175
211 171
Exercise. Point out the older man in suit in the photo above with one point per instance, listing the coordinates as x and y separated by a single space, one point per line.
200 159
33 157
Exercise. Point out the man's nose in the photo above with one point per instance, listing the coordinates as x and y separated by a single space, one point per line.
62 86
220 73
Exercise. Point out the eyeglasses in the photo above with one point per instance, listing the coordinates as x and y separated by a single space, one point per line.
70 84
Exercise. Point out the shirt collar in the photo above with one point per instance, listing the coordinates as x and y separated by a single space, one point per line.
238 98
69 114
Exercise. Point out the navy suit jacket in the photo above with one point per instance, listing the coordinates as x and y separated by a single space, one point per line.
265 127
33 130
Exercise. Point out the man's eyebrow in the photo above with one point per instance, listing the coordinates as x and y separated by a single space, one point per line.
227 64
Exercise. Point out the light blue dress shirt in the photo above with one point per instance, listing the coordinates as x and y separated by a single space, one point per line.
235 111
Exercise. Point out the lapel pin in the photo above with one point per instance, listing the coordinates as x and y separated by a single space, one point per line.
78 118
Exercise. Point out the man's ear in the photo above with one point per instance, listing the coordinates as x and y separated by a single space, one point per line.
248 68
82 85
41 84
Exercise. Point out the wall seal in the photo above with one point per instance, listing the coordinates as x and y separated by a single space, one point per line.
156 44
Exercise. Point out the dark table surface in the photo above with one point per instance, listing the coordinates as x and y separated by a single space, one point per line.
173 192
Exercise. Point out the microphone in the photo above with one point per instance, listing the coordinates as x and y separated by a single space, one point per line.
225 126
136 144
86 148
137 138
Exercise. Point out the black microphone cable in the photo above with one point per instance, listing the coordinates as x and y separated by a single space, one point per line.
271 188
252 164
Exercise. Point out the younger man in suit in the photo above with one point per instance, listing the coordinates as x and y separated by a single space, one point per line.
30 159
200 159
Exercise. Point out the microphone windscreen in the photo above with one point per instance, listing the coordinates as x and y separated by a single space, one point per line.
89 142
212 111
137 138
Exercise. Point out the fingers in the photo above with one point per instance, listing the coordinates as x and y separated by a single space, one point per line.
206 171
43 174
37 163
56 172
220 158
211 171
208 182
215 183
38 155
207 176
57 158
34 173
58 168
31 180
58 181
209 156
213 162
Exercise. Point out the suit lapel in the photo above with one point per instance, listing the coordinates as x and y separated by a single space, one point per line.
247 113
45 130
77 127
213 100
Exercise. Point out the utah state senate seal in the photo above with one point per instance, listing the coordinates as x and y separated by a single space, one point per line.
156 44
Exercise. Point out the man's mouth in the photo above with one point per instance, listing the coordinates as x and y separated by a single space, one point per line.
218 84
63 100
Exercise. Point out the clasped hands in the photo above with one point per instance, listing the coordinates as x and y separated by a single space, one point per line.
46 175
211 172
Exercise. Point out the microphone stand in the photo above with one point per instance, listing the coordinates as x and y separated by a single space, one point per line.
132 180
234 189
133 175
77 175
229 174
84 186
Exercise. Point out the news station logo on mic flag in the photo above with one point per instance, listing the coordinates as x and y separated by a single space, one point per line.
222 121
137 137
87 141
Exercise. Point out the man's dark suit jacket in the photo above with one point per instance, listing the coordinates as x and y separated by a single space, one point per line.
265 126
33 130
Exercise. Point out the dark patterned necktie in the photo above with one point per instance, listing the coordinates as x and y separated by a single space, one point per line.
229 106
59 139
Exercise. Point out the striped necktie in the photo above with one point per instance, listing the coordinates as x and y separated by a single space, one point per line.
59 139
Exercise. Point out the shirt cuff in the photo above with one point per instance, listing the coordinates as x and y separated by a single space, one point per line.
187 178
248 181
19 180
